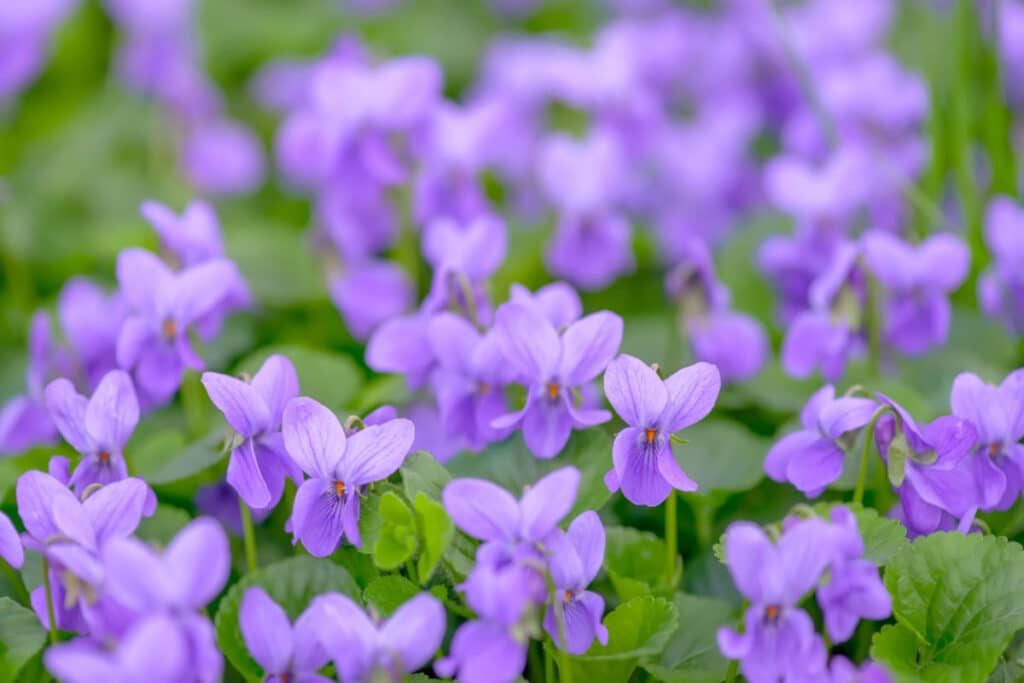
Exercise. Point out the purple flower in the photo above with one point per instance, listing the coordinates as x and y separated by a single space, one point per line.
154 342
812 458
853 592
918 280
778 641
259 465
223 158
401 345
997 461
24 420
10 544
284 651
193 237
575 560
363 650
463 257
645 467
327 505
842 670
220 501
553 366
557 301
469 381
1001 287
370 293
826 197
97 427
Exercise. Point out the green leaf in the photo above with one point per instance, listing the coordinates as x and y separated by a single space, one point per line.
511 465
422 473
637 630
1010 668
21 637
883 537
164 459
722 456
292 583
435 529
956 607
332 379
370 520
163 525
397 539
279 266
691 654
634 560
388 593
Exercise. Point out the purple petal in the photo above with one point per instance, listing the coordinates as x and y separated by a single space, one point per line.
802 559
453 340
587 346
401 345
313 436
350 520
785 450
580 627
484 653
309 653
67 410
36 493
246 477
943 261
753 563
159 371
199 289
692 393
133 338
974 400
817 465
317 517
637 468
376 452
266 630
277 384
635 391
10 543
587 535
547 423
563 561
415 631
135 576
140 275
115 510
811 412
482 509
528 341
199 559
347 634
155 649
242 406
113 411
549 500
845 415
672 472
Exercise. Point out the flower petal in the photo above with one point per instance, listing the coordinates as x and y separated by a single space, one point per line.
36 493
115 510
549 500
640 479
317 517
816 466
481 509
199 560
635 391
547 424
313 436
528 341
277 384
242 405
246 477
588 345
10 543
692 392
67 410
376 452
587 535
753 562
415 631
266 630
672 472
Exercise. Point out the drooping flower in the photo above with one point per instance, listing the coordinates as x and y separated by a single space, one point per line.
812 458
918 280
327 505
778 641
260 464
362 650
576 558
154 341
554 366
97 427
645 467
285 652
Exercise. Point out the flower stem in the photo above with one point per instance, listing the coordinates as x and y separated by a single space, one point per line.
17 584
248 536
549 666
874 323
50 614
671 536
192 404
869 435
734 667
565 675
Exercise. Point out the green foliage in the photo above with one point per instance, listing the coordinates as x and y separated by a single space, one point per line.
691 653
635 562
722 456
163 524
882 537
396 541
388 593
954 608
292 583
436 531
331 378
21 637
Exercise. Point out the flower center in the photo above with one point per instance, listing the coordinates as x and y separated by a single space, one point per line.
553 390
771 612
650 434
993 450
484 388
568 595
339 488
104 457
170 328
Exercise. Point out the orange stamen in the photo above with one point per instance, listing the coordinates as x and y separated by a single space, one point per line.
650 434
170 329
772 612
553 390
568 596
339 488
104 456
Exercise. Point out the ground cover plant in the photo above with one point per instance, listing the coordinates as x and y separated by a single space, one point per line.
502 340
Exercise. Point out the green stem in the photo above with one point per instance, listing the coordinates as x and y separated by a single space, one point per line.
17 584
549 666
50 614
563 655
704 515
874 323
192 404
869 435
734 668
248 536
671 536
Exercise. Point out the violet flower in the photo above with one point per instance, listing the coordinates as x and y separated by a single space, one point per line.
24 420
10 543
327 505
576 558
91 319
558 302
363 650
778 641
554 366
842 670
193 237
220 501
154 340
97 427
918 280
370 293
812 458
222 158
645 468
1001 287
285 652
463 257
260 464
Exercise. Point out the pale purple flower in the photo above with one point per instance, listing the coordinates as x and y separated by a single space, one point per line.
1001 287
154 341
363 650
24 420
327 505
825 197
223 158
463 257
91 320
10 544
557 301
778 641
369 293
220 501
97 427
575 559
918 280
193 237
842 670
401 345
854 591
812 458
285 652
554 365
259 464
645 468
